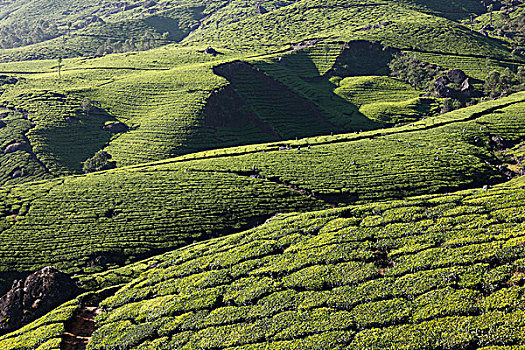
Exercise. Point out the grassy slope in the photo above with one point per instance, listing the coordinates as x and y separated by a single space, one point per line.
441 271
162 93
343 19
136 211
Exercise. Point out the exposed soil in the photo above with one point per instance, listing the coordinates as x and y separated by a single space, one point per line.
80 328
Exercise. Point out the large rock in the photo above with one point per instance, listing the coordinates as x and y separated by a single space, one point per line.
33 297
456 76
17 146
443 91
211 51
441 81
466 88
115 127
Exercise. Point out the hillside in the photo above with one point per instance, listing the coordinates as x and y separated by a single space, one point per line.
307 174
442 271
130 212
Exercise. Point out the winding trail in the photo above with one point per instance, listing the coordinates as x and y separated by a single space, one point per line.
79 330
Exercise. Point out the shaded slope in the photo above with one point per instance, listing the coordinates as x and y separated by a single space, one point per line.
63 135
289 114
453 9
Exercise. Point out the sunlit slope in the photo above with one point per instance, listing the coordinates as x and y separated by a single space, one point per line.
344 20
137 211
429 273
174 101
433 272
436 154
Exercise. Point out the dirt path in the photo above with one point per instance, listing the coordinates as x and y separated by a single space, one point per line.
80 328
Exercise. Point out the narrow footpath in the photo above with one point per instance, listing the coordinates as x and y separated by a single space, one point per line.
80 328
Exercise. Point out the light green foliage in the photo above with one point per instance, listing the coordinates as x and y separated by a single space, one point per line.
373 89
132 212
443 305
401 112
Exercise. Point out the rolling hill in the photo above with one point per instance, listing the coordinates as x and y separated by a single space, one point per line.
210 174
433 271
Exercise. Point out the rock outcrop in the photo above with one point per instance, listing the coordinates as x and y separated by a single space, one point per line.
33 297
456 76
116 127
17 146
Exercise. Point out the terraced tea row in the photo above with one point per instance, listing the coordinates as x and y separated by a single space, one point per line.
436 272
448 269
137 211
72 223
436 154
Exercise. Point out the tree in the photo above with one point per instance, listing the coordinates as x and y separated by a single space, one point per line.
86 105
59 66
418 74
100 161
521 74
492 84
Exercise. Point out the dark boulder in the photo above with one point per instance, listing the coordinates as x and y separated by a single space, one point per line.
456 76
441 81
33 297
17 146
115 127
443 91
211 51
467 89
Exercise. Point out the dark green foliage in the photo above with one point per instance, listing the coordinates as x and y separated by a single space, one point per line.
100 161
500 84
419 74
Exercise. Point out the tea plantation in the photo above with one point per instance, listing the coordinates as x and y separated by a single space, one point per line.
136 211
177 99
436 272
306 174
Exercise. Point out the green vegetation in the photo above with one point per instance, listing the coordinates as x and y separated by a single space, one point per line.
266 175
429 270
373 89
133 212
